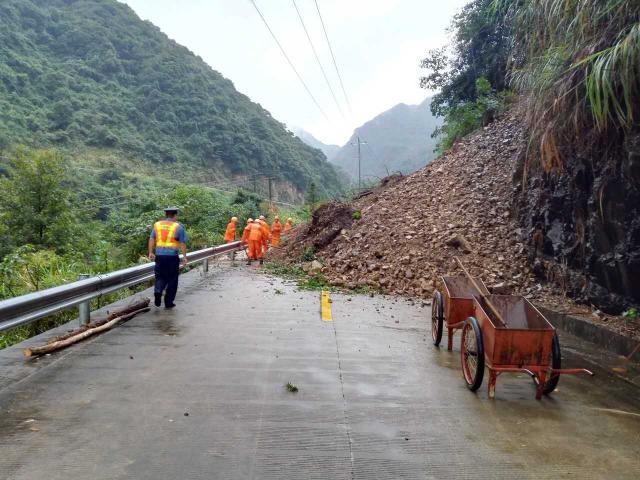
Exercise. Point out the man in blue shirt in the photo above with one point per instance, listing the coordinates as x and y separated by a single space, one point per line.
168 238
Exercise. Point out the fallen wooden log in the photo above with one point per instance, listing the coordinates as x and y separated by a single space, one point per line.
138 305
57 345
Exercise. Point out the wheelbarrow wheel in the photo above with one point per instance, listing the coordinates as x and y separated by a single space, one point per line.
472 354
556 363
437 314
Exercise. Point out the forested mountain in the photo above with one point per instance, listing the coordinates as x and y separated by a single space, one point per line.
91 73
397 140
328 150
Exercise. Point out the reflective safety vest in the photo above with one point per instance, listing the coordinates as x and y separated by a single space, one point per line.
166 234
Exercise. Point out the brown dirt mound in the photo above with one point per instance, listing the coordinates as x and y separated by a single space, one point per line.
326 224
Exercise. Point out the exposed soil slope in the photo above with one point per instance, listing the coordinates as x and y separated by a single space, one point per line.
411 228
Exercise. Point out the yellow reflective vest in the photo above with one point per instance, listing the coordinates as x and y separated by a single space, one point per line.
166 234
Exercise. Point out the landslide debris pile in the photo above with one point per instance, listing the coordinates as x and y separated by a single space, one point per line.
402 236
412 227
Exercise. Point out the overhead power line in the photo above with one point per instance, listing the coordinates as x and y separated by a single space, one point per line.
289 60
315 53
333 57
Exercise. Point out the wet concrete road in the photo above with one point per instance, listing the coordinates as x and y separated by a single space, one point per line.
198 393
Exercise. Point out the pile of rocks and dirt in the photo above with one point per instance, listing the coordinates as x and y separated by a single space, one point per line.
402 236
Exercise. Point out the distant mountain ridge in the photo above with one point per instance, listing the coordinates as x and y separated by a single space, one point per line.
397 140
328 149
91 73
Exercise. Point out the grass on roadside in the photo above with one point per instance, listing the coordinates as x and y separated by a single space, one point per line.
302 279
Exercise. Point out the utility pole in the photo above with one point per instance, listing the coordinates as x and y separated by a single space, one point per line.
359 142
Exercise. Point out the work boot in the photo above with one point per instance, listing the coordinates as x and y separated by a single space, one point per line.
248 262
157 299
261 261
171 305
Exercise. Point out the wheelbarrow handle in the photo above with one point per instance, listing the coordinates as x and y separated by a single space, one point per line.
571 371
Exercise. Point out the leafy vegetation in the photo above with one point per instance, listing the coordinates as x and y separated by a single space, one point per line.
303 280
470 72
308 254
91 74
465 117
578 64
630 313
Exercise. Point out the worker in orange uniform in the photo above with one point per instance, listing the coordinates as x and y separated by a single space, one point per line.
266 234
276 228
245 233
288 225
230 233
245 237
256 235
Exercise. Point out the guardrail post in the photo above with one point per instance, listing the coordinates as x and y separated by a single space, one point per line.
84 308
205 263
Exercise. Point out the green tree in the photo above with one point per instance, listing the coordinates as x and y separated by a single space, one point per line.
34 203
480 48
312 195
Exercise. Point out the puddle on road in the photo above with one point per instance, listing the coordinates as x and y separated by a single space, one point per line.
445 358
20 417
166 326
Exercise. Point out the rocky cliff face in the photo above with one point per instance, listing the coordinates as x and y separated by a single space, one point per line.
584 224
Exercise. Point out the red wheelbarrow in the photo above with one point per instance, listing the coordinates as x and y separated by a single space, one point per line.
453 306
504 333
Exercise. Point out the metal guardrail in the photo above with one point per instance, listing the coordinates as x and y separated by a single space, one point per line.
27 308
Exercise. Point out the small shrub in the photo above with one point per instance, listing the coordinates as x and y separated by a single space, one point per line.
308 254
630 313
466 117
291 387
356 215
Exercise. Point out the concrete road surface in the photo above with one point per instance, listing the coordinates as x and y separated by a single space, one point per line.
199 393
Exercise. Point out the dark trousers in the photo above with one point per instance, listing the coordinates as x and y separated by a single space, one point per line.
167 270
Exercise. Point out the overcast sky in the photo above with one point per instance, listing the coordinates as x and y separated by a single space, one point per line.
378 45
